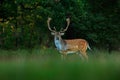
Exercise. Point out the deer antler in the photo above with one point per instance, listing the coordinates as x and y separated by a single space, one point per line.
48 23
68 23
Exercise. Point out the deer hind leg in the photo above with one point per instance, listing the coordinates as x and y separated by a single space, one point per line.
81 56
84 55
82 50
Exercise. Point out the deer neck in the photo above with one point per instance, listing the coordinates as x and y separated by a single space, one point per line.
60 43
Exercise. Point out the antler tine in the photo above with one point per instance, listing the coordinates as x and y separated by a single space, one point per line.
55 28
68 23
48 23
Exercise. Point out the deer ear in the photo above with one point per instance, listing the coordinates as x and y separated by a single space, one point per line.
61 34
52 33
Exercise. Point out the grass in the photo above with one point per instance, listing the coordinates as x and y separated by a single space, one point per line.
46 64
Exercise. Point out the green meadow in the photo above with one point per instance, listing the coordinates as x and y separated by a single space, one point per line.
46 64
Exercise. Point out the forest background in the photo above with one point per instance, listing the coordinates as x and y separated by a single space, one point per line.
23 22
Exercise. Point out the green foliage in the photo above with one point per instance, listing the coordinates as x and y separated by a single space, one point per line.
46 64
96 21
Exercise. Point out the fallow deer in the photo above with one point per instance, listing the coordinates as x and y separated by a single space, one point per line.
68 46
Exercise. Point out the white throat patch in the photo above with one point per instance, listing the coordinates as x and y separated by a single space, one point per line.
58 44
